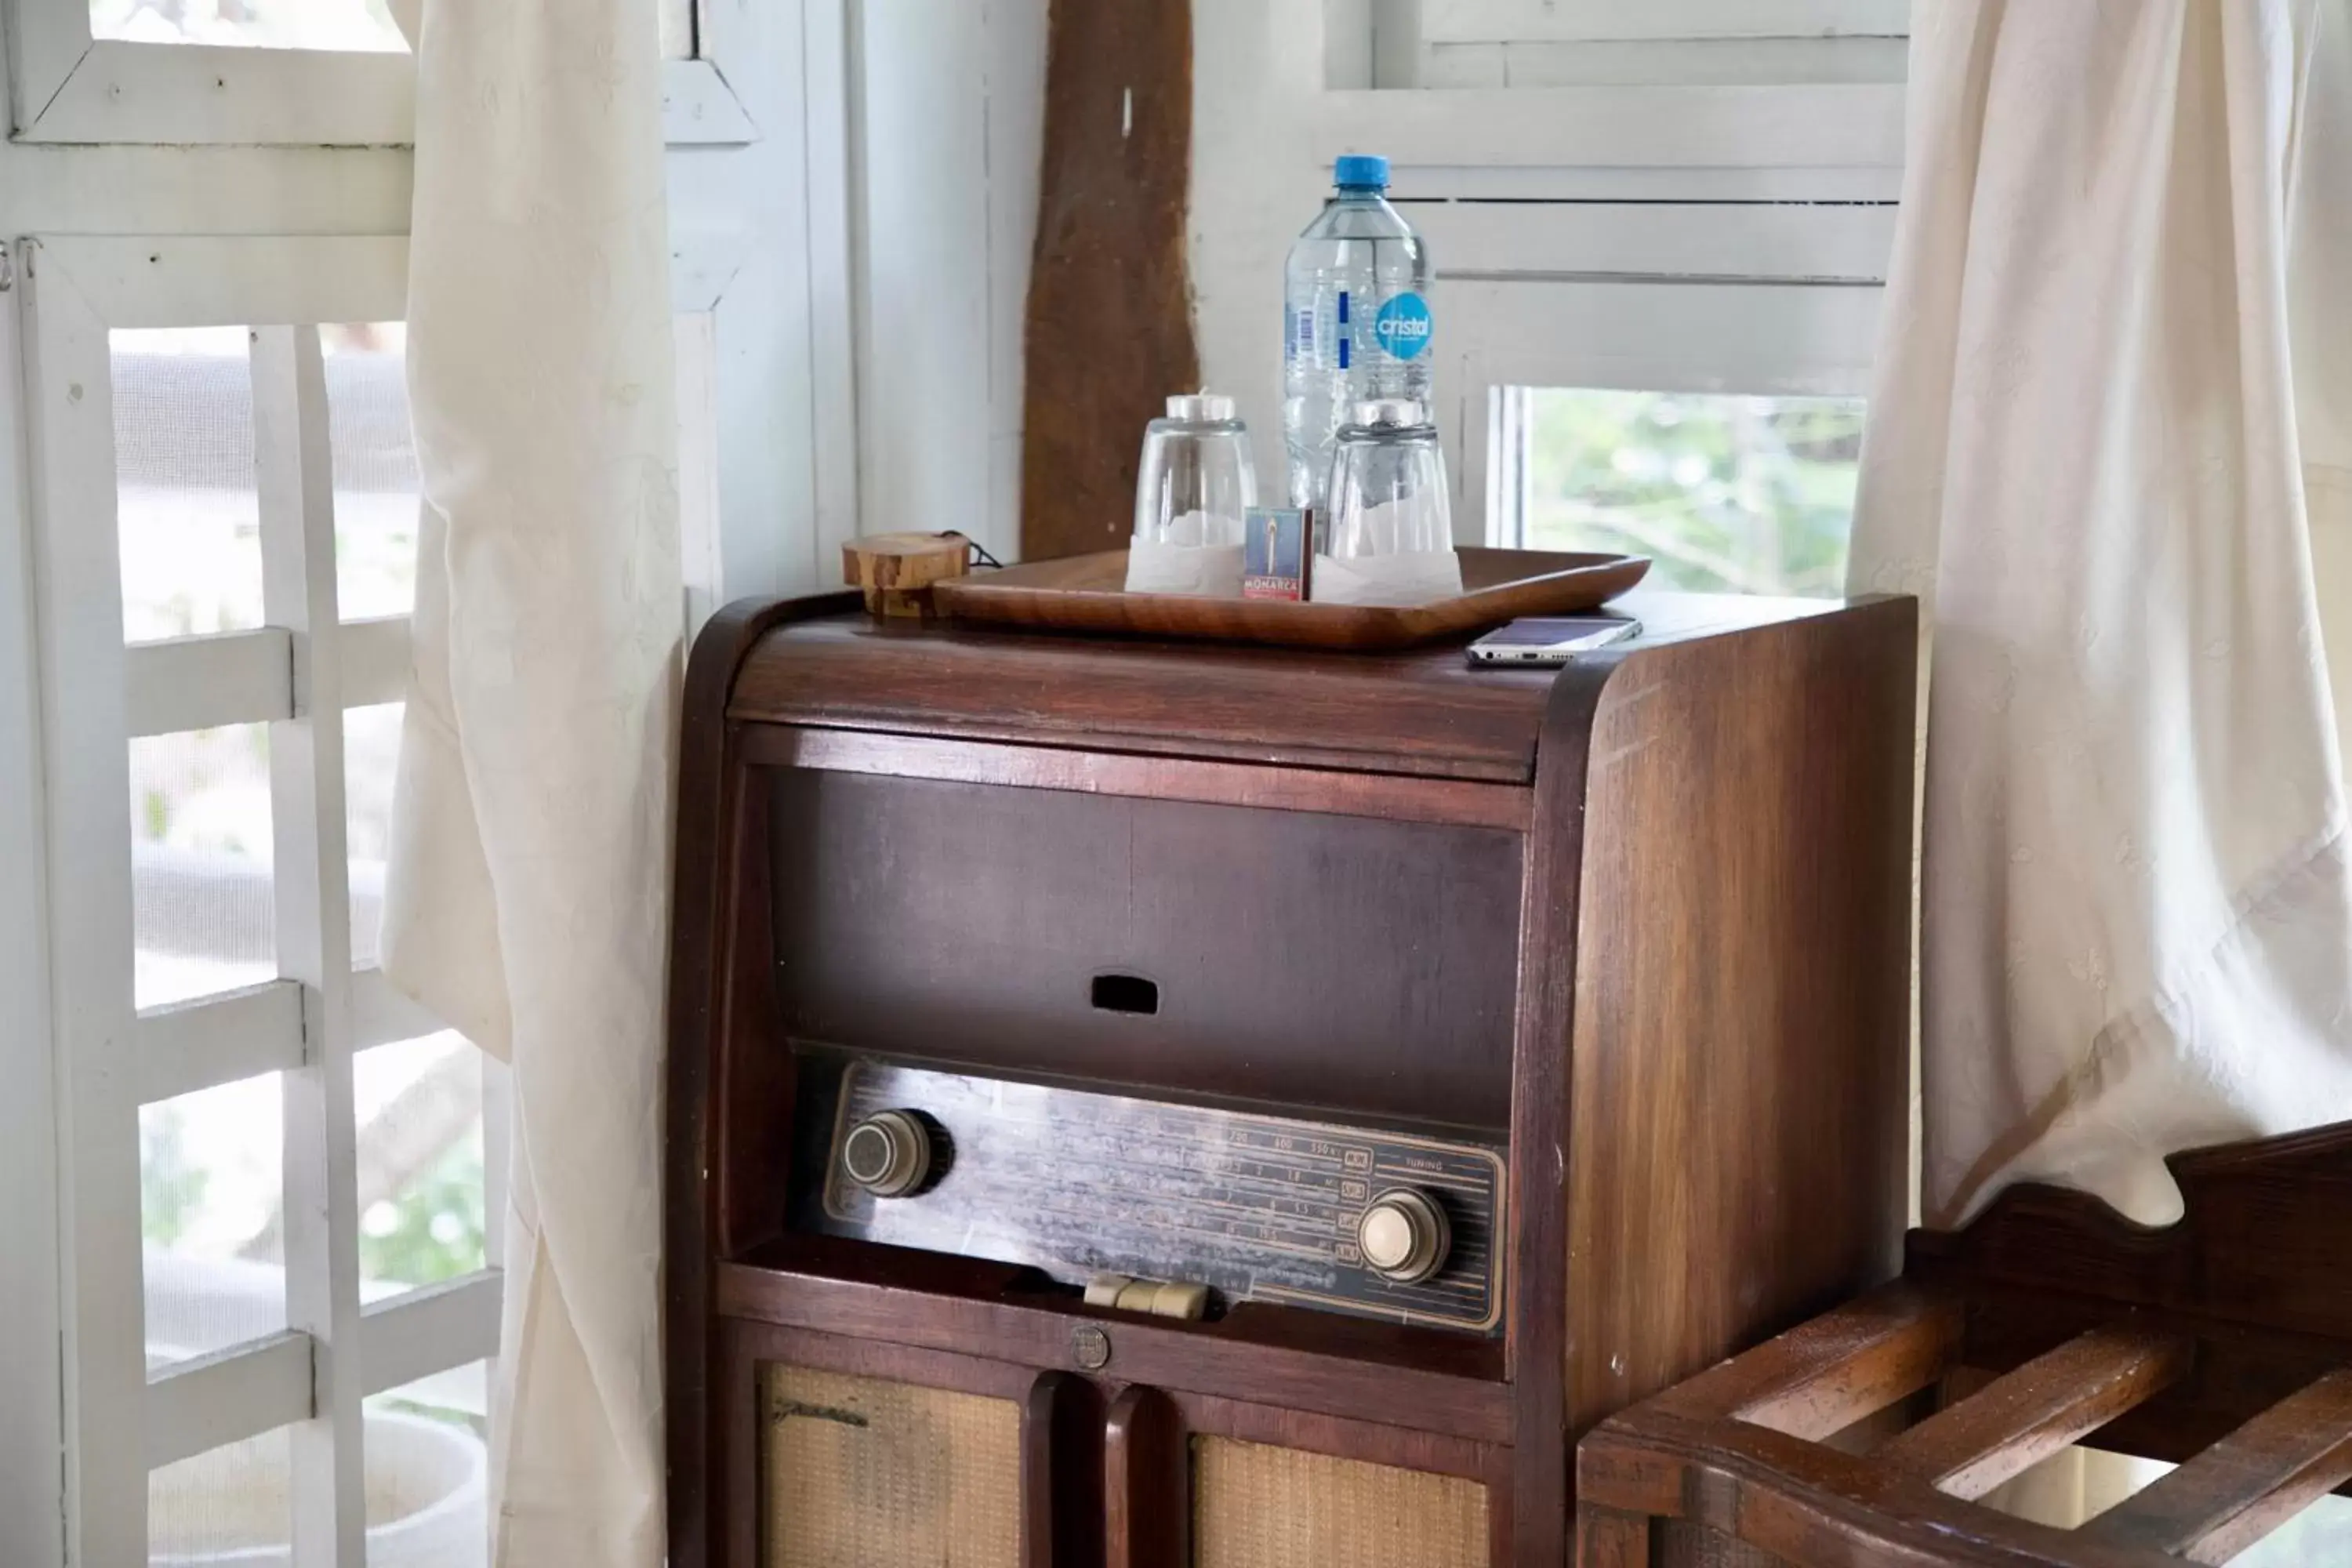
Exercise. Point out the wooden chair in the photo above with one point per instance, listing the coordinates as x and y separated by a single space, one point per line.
1860 1439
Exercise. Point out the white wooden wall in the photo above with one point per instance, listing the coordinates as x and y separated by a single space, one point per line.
949 113
1592 43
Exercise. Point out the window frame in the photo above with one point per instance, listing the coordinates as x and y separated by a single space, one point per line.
72 88
1575 203
1810 337
67 1316
1524 43
1585 21
32 1522
297 673
762 274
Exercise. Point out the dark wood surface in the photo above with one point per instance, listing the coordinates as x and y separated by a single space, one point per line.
2295 1192
1088 594
1818 1379
1641 919
1422 1379
1424 713
1147 1476
1607 1538
1109 320
1388 796
1061 1473
2023 1417
711 932
1542 1024
2223 1343
1741 994
2231 1495
1728 992
1327 964
2271 1314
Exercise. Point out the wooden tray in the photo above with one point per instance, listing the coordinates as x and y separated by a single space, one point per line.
1087 593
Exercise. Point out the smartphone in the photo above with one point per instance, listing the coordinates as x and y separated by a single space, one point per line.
1549 641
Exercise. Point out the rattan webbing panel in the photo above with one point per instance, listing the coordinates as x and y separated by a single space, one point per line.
1254 1506
860 1473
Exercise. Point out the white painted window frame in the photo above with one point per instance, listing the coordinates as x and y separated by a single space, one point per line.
950 104
72 88
762 281
1584 21
1699 238
1765 299
32 1519
1528 43
297 673
1725 336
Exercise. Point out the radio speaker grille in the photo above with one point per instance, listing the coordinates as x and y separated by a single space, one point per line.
861 1473
1255 1506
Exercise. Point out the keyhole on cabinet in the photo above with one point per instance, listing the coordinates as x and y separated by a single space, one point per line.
1127 994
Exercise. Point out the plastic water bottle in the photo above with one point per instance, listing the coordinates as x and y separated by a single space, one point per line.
1355 321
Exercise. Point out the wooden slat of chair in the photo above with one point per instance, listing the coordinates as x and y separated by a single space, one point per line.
2249 1285
1648 1473
2241 1488
1825 1376
2023 1417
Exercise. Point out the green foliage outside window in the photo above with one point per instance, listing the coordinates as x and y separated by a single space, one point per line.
433 1228
1726 494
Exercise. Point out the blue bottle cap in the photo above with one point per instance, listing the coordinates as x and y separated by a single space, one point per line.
1361 171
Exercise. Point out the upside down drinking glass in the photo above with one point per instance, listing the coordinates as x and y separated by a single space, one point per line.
1390 537
1192 492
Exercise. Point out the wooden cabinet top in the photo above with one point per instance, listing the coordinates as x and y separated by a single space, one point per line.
1426 712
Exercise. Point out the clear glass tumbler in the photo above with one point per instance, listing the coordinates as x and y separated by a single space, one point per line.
1196 483
1193 495
1389 536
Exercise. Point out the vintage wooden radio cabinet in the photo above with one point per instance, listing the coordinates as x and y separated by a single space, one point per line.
1435 1061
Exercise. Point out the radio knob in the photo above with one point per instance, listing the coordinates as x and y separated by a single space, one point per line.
888 1153
1403 1236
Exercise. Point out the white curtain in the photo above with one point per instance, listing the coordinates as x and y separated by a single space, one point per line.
527 897
2109 438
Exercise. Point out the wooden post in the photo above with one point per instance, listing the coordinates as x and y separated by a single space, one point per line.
1110 332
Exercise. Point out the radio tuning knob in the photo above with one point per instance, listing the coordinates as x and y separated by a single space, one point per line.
1403 1236
888 1153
